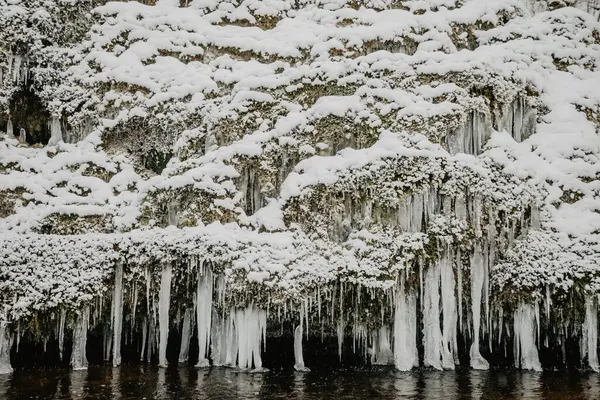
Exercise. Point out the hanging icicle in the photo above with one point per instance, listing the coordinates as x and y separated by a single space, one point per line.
55 132
204 310
164 302
298 353
251 324
477 282
525 326
405 329
589 334
78 355
186 335
117 315
432 334
9 128
5 345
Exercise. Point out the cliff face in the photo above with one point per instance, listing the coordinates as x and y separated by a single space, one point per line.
415 174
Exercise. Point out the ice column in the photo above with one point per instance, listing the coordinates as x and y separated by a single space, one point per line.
477 281
204 315
251 324
55 132
5 344
186 336
526 353
22 135
61 332
117 315
448 283
405 330
164 302
590 333
224 345
298 355
9 128
432 334
78 355
382 351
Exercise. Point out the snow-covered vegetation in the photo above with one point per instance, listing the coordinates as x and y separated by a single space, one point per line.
366 168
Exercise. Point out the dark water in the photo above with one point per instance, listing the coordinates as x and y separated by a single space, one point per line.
148 382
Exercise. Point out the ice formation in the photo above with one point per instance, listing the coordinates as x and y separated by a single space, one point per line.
5 345
117 315
80 331
399 176
382 351
9 128
186 336
526 334
251 325
590 333
298 352
55 132
204 310
478 278
432 334
406 354
164 302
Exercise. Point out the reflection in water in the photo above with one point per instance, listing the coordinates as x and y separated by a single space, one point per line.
178 382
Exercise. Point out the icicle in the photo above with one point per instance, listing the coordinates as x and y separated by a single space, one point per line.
405 330
590 333
22 135
5 345
172 208
460 290
61 332
118 314
224 346
107 343
251 324
298 354
164 302
55 132
477 282
186 336
144 338
340 336
526 353
382 351
78 355
9 128
535 217
204 314
432 334
449 344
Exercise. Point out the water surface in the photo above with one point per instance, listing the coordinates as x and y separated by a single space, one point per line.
177 382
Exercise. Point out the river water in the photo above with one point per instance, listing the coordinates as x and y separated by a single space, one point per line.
176 382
